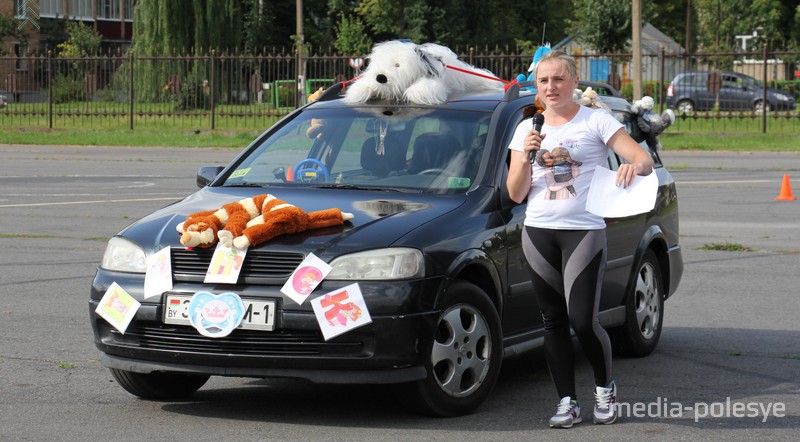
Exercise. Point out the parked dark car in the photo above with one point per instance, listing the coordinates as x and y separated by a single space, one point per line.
435 247
696 91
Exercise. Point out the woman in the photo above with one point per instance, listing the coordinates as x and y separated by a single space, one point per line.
565 245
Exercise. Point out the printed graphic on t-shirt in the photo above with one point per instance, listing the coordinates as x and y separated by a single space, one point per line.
560 171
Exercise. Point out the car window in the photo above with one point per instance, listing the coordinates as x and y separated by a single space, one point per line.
699 79
732 81
750 83
407 149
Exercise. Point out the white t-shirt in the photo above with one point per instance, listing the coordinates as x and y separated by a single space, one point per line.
557 199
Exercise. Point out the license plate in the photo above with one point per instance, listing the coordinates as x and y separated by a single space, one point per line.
258 314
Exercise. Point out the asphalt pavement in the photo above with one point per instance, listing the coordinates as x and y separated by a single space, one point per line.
726 368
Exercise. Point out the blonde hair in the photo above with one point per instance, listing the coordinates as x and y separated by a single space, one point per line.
567 62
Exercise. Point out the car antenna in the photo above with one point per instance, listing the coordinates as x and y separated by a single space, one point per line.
544 28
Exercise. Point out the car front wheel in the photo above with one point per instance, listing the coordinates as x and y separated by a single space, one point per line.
761 107
644 311
159 385
464 355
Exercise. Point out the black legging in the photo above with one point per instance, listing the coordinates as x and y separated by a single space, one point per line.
568 268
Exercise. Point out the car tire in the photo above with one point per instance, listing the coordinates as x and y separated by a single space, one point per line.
463 356
760 107
159 385
644 311
685 106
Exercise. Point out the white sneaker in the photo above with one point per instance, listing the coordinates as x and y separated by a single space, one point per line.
605 404
568 413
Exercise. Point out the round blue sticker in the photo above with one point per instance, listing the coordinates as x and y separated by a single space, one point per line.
215 316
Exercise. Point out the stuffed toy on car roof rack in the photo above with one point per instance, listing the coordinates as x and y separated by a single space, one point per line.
422 74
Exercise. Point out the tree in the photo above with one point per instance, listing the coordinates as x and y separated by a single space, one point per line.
351 36
9 27
721 21
669 16
83 41
163 27
604 25
390 19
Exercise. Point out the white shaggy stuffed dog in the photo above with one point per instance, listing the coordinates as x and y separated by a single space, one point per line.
401 71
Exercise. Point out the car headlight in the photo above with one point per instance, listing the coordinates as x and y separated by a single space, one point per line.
124 256
383 264
782 97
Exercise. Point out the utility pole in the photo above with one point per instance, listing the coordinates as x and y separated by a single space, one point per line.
688 33
636 39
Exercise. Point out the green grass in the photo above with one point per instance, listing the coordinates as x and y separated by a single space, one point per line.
237 126
725 247
736 142
124 137
233 138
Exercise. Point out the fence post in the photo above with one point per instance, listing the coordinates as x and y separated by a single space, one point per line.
661 98
764 103
50 88
213 87
130 89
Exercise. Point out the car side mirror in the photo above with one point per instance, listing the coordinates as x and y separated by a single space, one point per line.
206 174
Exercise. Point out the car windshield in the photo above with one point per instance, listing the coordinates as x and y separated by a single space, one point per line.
393 149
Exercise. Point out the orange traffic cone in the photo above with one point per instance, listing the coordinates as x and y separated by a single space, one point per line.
786 191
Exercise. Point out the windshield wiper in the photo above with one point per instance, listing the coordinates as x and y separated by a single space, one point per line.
244 185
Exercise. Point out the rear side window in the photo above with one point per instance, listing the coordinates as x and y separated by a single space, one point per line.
700 79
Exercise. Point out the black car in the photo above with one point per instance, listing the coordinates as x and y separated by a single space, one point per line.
434 246
730 91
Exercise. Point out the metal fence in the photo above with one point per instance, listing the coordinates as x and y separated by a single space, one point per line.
222 91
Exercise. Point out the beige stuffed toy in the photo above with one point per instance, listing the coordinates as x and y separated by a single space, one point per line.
591 98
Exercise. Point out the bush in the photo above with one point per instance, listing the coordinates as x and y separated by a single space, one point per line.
650 87
119 87
192 95
791 87
68 88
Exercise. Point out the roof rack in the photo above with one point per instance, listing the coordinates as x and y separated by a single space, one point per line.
332 92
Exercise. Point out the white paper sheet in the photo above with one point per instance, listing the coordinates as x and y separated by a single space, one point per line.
117 307
158 278
609 201
226 263
341 311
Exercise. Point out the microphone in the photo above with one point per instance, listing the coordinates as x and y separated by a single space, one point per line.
538 121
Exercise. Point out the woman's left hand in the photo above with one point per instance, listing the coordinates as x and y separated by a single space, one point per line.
627 172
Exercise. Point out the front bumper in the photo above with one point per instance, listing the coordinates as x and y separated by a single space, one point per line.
388 350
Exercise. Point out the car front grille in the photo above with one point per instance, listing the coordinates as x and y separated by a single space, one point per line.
190 265
155 336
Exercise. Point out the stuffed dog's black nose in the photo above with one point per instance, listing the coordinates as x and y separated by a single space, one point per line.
381 78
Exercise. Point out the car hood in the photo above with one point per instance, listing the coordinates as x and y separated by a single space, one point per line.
380 218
